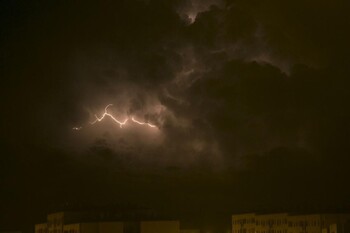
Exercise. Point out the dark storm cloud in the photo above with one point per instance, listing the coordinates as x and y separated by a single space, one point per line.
203 73
242 92
312 32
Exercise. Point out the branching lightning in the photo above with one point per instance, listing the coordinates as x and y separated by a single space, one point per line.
98 119
121 123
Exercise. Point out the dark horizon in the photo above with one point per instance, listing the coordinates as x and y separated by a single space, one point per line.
196 108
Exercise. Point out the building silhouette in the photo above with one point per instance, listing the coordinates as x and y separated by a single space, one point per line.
97 222
290 223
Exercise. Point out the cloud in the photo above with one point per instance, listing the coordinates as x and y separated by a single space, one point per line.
228 81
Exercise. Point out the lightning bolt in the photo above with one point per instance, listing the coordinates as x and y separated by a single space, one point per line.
99 119
121 123
142 123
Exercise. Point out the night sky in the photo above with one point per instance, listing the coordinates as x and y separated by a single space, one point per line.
250 100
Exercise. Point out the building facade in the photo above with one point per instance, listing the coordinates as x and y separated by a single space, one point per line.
290 223
94 227
66 222
40 228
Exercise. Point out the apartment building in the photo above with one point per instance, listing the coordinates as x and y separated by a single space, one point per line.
290 223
